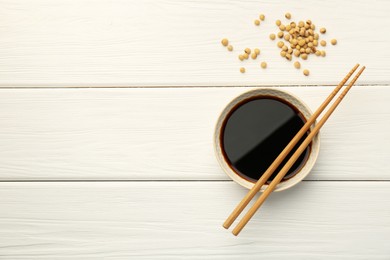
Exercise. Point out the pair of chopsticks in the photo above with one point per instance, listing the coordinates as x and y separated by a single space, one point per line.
256 188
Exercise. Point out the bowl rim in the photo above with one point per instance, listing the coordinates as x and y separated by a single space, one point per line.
287 97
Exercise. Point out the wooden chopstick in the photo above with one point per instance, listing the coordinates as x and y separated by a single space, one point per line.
293 158
256 188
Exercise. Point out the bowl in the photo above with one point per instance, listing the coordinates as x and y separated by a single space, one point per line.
286 98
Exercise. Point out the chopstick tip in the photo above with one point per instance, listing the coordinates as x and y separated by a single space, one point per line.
360 71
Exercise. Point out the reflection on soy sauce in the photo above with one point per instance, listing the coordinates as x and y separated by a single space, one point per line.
256 131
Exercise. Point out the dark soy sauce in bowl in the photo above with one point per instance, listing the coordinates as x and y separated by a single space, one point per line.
256 131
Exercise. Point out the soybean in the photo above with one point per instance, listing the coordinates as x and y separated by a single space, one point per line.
262 17
225 42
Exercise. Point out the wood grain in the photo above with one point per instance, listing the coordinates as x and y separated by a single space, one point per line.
166 134
180 220
176 43
66 135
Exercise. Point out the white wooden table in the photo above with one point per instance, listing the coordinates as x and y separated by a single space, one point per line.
107 111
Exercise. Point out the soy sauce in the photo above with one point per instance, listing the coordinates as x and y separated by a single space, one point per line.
256 131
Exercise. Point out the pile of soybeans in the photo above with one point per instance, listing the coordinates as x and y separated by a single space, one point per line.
297 39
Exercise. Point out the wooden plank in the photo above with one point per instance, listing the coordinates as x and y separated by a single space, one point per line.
176 43
166 134
177 220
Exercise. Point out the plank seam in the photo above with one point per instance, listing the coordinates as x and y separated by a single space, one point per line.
184 86
119 180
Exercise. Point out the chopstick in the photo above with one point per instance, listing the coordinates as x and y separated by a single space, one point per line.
256 188
293 158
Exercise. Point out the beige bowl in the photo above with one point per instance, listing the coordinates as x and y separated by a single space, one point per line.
287 97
